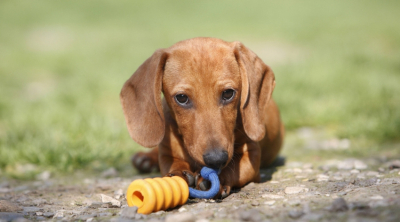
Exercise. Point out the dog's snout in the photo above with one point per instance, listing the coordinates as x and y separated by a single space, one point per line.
215 158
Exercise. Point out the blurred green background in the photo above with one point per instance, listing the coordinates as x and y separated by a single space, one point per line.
63 63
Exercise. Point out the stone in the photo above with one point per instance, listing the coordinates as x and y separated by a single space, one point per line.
118 193
372 173
255 203
32 209
294 202
359 165
45 175
95 205
295 190
39 201
111 172
10 216
182 209
388 181
322 178
180 217
338 204
270 203
108 199
271 196
376 197
345 165
7 206
295 214
250 215
48 214
105 214
395 164
129 212
59 214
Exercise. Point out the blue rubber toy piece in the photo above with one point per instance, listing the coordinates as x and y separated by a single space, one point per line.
212 176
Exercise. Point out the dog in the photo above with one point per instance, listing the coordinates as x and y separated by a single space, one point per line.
216 111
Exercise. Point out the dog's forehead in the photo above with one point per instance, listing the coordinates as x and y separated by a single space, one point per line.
201 62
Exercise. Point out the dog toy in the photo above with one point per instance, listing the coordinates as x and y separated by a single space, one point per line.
151 195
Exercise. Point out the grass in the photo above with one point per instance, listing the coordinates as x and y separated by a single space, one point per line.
62 65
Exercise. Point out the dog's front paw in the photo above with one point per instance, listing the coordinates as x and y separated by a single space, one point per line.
188 176
224 191
204 185
145 162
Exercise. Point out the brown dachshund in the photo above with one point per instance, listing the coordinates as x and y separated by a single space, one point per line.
217 111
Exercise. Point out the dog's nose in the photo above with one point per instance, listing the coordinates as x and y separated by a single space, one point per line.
215 158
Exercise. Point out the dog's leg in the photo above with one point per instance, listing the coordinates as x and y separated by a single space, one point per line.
146 162
171 166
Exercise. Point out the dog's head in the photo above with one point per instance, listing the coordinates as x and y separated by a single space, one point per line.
208 84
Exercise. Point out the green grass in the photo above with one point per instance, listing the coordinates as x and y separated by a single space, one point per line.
62 65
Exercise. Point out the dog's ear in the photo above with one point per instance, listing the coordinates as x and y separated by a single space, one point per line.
141 101
258 82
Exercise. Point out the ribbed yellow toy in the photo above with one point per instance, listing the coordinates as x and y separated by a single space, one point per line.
151 195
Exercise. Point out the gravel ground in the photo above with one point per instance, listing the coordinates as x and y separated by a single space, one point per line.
337 190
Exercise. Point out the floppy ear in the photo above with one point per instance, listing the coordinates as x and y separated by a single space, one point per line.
141 101
258 82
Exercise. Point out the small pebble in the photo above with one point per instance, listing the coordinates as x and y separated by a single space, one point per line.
182 209
48 214
255 203
295 214
45 175
250 215
32 209
359 165
372 173
295 190
95 205
140 216
59 214
338 204
108 199
295 202
118 193
129 212
105 214
272 196
394 164
111 172
202 220
180 217
270 203
376 197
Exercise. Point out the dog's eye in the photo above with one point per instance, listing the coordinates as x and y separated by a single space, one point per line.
228 95
182 99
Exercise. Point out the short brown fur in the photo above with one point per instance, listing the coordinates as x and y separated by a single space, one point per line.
248 128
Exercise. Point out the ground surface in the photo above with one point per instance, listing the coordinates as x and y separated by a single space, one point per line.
298 191
324 187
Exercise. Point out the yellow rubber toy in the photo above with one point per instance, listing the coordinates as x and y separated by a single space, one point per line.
151 195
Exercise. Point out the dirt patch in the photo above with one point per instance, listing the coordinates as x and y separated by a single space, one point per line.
296 191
